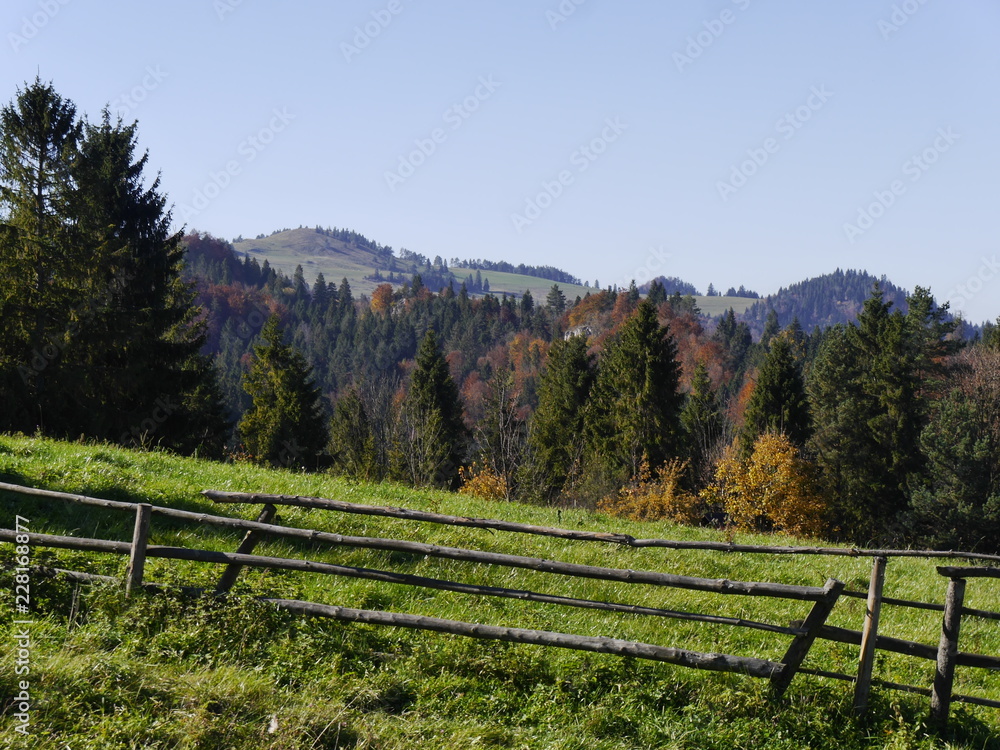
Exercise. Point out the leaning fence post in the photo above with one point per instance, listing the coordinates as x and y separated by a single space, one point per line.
137 557
944 676
869 635
802 643
250 540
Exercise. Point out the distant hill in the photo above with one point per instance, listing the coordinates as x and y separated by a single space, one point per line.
335 253
822 301
340 253
365 263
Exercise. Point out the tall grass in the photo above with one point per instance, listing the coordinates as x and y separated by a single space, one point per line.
173 672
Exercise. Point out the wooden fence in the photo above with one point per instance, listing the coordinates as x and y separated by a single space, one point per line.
780 673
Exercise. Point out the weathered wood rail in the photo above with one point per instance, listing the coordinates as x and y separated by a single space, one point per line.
803 633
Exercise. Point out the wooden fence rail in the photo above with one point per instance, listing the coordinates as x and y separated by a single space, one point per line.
946 655
780 673
322 503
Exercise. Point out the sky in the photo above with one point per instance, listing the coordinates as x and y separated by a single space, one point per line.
727 142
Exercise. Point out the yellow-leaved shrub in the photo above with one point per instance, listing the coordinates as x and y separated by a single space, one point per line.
482 482
653 498
773 489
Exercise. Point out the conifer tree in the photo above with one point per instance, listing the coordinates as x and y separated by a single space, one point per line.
93 305
657 293
702 420
634 412
957 503
556 430
39 132
778 403
864 388
434 431
285 425
140 347
555 300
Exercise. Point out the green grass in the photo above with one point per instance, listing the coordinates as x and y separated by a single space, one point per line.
169 672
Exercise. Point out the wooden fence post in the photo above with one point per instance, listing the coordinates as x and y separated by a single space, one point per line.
137 557
944 676
250 540
802 643
869 636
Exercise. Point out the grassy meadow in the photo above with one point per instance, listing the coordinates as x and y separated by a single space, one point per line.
165 671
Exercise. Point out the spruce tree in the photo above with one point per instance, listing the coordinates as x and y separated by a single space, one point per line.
285 425
634 412
865 391
957 503
140 347
93 306
778 403
703 422
39 132
434 430
555 300
556 429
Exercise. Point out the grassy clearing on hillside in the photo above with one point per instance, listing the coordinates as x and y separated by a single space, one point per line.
168 672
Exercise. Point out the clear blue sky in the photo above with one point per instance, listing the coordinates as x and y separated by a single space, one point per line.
298 113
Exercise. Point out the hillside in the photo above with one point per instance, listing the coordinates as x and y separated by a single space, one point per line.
357 259
166 672
822 301
318 252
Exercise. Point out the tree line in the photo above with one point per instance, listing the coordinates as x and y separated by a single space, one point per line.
886 428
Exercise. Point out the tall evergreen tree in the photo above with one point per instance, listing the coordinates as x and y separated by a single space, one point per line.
634 412
140 346
868 415
39 132
957 504
703 422
285 425
435 432
555 300
778 403
657 293
557 426
95 310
